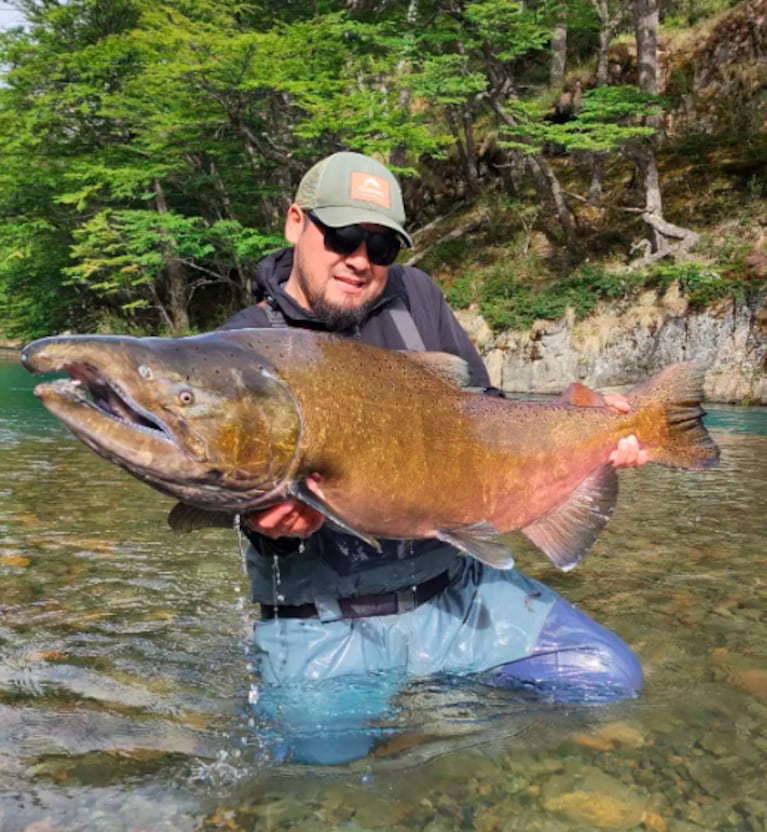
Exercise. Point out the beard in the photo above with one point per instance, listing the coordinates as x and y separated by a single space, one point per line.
336 317
339 318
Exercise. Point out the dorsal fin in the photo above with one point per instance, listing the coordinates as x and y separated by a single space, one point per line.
578 395
450 368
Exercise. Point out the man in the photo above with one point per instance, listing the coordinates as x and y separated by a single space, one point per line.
333 609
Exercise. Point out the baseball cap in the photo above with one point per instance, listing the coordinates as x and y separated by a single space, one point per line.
351 189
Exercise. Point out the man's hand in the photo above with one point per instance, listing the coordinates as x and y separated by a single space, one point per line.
289 519
628 454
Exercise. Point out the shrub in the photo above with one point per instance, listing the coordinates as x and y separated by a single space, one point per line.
702 284
508 302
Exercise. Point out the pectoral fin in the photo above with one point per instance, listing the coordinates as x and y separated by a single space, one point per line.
481 541
184 518
568 532
301 491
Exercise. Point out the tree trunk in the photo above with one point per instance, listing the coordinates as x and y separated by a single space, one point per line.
398 154
646 33
464 117
608 26
176 306
559 51
472 172
597 178
550 187
603 56
464 144
660 230
545 179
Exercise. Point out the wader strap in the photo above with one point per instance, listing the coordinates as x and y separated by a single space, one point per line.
405 325
273 314
402 318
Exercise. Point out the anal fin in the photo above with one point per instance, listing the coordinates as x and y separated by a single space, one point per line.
567 532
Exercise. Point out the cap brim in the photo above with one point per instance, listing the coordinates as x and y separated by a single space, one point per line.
337 217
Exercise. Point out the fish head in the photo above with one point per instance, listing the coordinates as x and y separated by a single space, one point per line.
201 418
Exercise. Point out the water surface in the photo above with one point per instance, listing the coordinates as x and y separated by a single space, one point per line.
124 677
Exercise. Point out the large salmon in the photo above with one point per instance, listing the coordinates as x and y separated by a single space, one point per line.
237 420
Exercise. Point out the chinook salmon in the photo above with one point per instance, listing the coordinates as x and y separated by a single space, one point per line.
385 444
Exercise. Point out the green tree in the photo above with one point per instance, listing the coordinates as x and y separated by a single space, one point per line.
179 131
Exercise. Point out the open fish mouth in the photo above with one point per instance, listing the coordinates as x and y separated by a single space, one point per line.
88 387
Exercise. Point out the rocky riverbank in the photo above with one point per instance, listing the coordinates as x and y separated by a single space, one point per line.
624 343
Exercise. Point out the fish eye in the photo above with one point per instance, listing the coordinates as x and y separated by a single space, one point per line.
145 372
185 397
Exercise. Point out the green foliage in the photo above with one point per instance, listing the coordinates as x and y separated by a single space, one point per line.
32 300
151 149
127 253
461 293
512 30
447 79
515 302
686 13
702 284
123 252
608 117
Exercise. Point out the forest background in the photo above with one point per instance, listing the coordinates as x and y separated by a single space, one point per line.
553 154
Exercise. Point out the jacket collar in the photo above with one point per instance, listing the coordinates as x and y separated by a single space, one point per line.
273 272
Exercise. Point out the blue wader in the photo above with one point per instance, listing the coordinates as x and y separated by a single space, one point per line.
324 683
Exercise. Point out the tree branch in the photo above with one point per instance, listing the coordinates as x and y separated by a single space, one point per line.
465 228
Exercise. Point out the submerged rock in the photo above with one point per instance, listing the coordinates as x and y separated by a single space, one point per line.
596 801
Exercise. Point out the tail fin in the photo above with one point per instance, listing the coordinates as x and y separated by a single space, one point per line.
684 441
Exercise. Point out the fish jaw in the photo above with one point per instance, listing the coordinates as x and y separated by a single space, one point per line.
121 401
120 432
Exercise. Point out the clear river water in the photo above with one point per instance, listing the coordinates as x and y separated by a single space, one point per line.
125 683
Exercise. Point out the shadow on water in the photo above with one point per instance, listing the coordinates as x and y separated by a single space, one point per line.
124 678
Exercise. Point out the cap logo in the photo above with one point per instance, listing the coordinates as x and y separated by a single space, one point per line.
370 188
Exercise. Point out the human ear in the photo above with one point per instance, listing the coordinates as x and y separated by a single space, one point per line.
294 224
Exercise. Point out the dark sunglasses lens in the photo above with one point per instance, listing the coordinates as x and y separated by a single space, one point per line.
344 240
382 248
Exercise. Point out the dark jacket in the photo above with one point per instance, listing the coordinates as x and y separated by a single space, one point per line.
332 564
433 319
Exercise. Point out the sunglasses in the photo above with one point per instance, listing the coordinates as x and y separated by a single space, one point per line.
382 246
